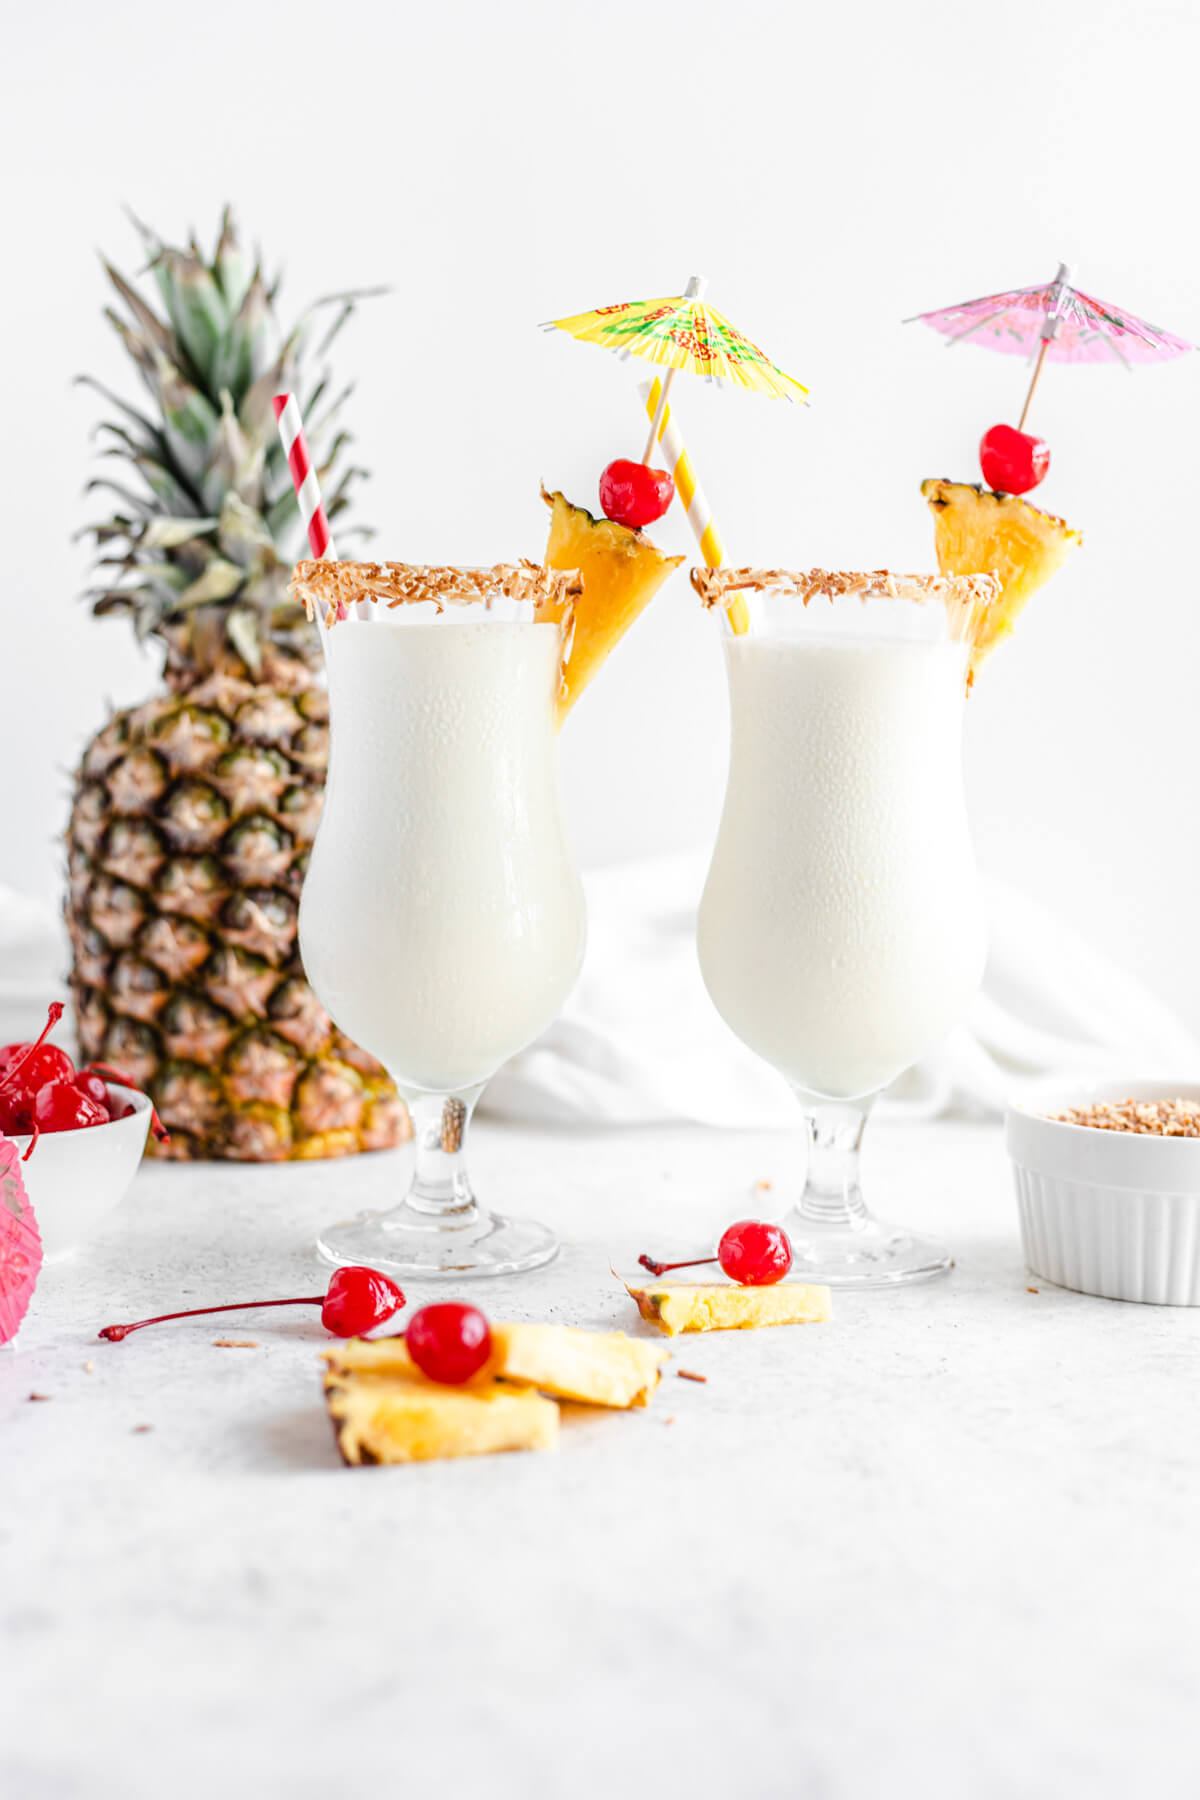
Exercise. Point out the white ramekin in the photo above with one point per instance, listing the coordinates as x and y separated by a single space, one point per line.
1108 1212
76 1178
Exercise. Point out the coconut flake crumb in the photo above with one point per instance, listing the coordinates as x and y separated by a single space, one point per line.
1147 1118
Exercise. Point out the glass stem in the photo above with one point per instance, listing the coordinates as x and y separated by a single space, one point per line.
832 1194
440 1183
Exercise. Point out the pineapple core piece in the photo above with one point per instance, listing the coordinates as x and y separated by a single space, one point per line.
400 1417
676 1306
599 1368
977 532
622 571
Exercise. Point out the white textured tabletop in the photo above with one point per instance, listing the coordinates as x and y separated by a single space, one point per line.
944 1546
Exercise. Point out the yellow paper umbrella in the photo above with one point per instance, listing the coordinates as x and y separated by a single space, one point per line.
681 333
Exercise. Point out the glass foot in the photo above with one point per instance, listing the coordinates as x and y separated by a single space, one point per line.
863 1254
439 1246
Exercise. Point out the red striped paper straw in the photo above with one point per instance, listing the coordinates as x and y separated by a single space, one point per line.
304 476
304 479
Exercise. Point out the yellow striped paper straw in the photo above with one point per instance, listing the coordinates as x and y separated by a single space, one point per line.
691 496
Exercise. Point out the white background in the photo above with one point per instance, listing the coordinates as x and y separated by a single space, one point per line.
832 170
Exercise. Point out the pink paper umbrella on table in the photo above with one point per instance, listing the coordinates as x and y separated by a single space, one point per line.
1052 323
20 1243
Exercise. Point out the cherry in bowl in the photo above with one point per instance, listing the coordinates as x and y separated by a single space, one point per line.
75 1179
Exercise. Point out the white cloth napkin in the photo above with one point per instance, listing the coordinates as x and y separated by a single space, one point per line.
639 1041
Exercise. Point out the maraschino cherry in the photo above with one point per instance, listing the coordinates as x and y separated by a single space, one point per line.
1013 461
119 1108
41 1090
633 494
355 1302
46 1063
94 1086
753 1253
449 1341
59 1106
17 1094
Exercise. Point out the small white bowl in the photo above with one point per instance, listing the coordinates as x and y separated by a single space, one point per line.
76 1178
1112 1213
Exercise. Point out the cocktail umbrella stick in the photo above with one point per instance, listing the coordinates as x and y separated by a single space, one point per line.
1048 334
1037 369
693 291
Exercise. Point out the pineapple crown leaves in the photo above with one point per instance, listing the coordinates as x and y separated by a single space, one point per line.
207 514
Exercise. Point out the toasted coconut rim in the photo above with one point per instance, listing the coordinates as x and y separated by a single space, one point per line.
719 587
337 586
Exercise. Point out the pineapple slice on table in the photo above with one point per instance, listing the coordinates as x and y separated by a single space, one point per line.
978 532
600 1368
396 1415
675 1306
622 571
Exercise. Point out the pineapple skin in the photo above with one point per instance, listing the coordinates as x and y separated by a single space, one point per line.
675 1307
191 825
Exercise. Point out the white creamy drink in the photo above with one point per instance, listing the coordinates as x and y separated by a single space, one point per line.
841 930
442 920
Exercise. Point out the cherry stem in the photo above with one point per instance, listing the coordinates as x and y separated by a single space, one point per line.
114 1333
657 1268
14 1069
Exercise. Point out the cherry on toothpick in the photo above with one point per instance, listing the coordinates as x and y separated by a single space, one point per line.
633 494
449 1341
1013 461
754 1253
355 1302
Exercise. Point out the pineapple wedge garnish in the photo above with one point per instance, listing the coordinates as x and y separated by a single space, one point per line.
398 1416
597 1367
978 532
622 571
676 1306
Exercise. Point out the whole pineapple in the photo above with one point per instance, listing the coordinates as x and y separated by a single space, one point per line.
194 813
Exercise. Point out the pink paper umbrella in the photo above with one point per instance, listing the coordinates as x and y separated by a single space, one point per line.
20 1243
1060 323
